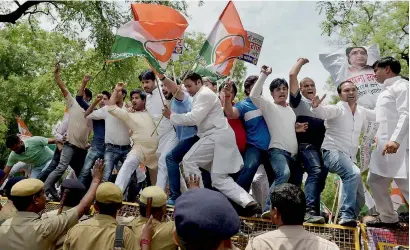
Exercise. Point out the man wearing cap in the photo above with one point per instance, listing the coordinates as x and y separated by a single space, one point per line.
162 238
205 220
8 210
288 206
27 230
99 232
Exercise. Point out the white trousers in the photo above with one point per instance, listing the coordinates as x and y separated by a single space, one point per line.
130 165
260 186
167 143
380 190
201 155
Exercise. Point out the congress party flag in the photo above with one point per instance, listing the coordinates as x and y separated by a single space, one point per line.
153 35
227 41
23 129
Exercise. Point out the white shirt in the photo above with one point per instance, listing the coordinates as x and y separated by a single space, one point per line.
79 128
280 120
207 114
60 130
290 238
116 131
154 107
392 114
342 127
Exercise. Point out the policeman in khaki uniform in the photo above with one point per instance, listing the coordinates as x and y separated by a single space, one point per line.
162 238
27 230
99 232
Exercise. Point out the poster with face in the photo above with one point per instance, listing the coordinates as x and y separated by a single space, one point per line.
355 64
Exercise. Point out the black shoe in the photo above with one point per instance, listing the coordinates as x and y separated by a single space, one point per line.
348 222
378 223
251 209
314 219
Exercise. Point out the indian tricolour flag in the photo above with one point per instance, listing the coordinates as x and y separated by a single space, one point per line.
153 35
23 129
227 41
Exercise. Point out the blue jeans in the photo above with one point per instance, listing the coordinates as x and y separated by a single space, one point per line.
282 162
316 180
113 154
341 164
173 158
252 158
93 154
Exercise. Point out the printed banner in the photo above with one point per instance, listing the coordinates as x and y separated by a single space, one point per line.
366 145
178 50
355 64
255 46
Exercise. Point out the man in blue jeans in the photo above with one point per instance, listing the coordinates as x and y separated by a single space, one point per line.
344 122
97 149
257 133
309 142
116 138
180 104
281 122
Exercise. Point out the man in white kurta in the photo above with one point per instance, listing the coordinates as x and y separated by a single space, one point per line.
216 150
167 137
390 159
144 145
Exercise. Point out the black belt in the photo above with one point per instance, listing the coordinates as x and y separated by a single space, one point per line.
118 146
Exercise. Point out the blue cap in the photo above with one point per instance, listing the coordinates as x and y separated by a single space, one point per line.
10 183
73 185
201 214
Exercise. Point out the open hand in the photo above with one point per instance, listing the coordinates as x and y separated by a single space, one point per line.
193 181
316 101
98 170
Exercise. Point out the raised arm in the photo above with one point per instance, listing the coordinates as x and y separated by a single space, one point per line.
230 111
80 91
91 109
200 110
172 87
113 109
324 112
60 83
293 75
256 93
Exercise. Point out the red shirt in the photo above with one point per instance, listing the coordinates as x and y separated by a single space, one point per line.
240 133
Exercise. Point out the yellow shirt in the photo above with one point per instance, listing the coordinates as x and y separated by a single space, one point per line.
163 233
27 230
98 233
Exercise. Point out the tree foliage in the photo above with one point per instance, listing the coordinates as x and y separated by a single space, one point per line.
362 23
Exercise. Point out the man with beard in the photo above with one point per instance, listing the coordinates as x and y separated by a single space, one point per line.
33 150
344 122
144 145
216 150
167 138
309 142
186 135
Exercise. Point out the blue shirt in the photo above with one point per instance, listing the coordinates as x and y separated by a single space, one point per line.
98 125
181 107
257 133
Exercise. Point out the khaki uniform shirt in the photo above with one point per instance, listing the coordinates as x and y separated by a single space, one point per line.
8 211
98 233
163 233
290 238
27 230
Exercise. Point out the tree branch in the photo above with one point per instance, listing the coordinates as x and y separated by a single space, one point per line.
12 17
